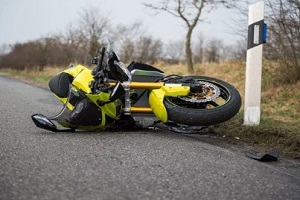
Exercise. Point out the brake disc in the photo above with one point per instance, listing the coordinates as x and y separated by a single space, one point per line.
210 93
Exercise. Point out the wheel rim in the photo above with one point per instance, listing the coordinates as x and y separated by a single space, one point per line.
213 95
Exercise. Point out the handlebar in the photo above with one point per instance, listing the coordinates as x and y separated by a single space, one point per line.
113 69
98 61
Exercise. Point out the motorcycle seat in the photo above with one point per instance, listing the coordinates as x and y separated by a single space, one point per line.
59 84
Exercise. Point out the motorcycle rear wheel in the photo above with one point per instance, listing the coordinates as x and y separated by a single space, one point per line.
209 110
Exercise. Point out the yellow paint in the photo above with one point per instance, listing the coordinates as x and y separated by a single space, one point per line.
156 99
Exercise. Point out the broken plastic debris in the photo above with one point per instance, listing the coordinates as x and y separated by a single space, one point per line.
272 156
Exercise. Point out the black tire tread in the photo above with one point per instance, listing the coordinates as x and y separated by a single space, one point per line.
205 117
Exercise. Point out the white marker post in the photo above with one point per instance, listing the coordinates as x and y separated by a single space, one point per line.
256 39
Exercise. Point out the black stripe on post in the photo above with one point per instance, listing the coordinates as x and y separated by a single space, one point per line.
255 34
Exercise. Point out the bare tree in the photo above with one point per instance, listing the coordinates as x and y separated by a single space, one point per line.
175 51
74 45
237 51
77 44
284 37
148 49
189 11
199 50
93 27
135 44
127 36
283 42
4 49
213 50
24 55
47 51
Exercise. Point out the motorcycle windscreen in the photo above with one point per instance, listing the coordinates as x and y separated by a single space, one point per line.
78 111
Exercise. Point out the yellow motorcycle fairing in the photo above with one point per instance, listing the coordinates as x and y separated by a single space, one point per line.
108 109
156 98
82 78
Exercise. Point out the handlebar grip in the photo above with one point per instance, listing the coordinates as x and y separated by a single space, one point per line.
102 52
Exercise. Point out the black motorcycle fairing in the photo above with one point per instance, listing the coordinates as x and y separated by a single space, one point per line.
59 84
118 70
77 111
111 58
85 113
114 74
43 122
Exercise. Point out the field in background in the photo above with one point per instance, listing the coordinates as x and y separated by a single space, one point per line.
280 106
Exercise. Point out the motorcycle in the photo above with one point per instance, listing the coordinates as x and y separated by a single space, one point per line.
139 96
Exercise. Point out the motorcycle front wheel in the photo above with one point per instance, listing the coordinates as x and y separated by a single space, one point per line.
216 103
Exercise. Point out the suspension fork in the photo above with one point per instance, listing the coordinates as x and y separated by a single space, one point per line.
160 90
128 85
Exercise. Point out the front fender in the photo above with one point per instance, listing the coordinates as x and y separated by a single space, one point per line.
156 99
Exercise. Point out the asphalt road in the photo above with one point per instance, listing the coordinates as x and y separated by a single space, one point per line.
37 164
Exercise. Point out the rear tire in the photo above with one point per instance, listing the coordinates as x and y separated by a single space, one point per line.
203 114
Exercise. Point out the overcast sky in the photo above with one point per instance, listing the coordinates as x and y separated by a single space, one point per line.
23 20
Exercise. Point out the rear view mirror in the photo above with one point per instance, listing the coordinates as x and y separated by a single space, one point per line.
43 122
